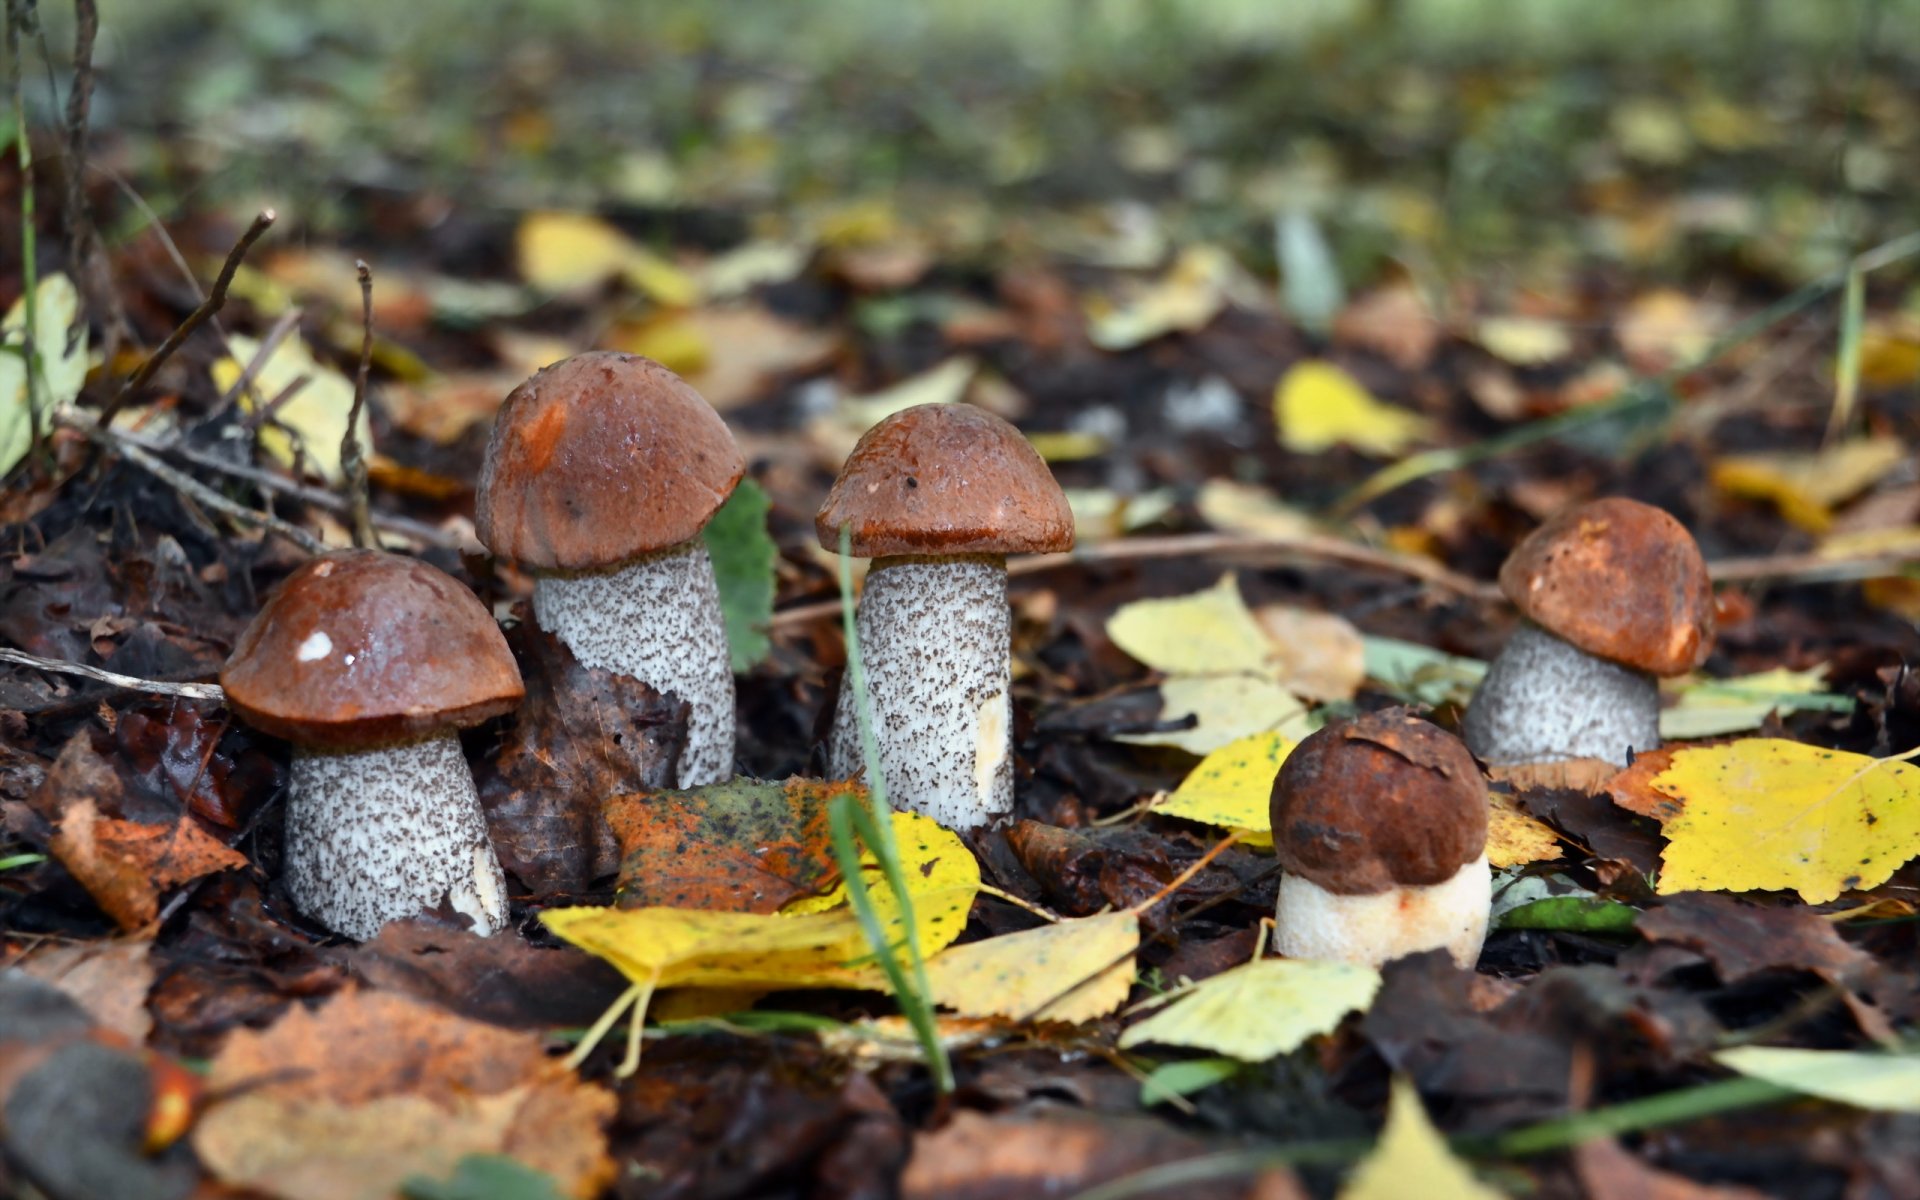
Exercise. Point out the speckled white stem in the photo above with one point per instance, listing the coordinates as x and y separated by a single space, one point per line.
656 618
377 835
933 639
1311 922
1546 700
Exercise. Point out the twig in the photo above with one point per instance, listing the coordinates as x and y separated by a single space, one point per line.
189 691
215 300
83 237
419 531
111 442
20 18
353 456
1811 568
250 371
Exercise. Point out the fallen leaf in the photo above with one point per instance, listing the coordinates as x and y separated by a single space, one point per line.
1412 1159
1225 709
1712 707
1233 786
932 858
1393 322
1664 329
1806 488
1318 406
372 1088
1015 974
1249 508
1421 673
754 264
444 408
61 329
731 356
1211 632
744 558
1322 656
1864 1079
109 980
1763 813
741 845
1609 1172
1515 839
1524 341
309 426
562 252
1264 1008
484 1177
1742 940
125 865
1190 295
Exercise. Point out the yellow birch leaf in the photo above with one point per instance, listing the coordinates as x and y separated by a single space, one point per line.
1412 1159
932 858
315 416
562 252
1806 488
1266 1007
1247 508
660 280
1764 813
1862 1078
1187 297
1514 838
1317 406
1014 974
1211 632
1524 341
1233 786
1225 709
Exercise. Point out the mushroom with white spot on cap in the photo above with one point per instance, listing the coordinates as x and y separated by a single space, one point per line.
1614 594
600 474
370 664
938 495
1380 825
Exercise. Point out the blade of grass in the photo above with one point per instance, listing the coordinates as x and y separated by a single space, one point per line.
19 18
1846 367
875 828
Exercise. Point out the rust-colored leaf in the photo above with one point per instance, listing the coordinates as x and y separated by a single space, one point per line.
746 845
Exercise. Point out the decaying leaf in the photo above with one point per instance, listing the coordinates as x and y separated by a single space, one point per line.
110 981
1514 838
353 1098
731 355
743 557
1261 1009
1412 1159
932 858
1318 406
742 845
1322 656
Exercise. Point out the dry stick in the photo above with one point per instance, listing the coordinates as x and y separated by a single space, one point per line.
353 456
107 440
83 237
215 300
189 691
419 531
276 333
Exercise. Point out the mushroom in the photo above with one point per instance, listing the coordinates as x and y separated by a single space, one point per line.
370 664
1380 825
1613 593
938 495
601 471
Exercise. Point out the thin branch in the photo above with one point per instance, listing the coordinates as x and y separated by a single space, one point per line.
278 332
189 691
353 456
92 269
216 299
113 443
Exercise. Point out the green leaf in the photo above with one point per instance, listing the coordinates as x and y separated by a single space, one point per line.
485 1177
743 556
1415 672
14 862
1169 1080
1583 914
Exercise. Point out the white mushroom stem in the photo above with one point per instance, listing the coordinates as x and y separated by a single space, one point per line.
656 618
377 835
1312 922
1547 700
933 641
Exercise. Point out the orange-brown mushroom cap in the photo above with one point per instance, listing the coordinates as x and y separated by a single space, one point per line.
1377 802
362 648
1619 579
599 458
945 479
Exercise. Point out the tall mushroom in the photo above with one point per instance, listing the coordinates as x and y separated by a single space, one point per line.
1614 593
370 664
601 472
1380 825
938 495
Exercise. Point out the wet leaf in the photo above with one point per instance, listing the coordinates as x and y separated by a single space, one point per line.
1318 406
743 556
1259 1010
1412 1159
743 845
61 329
309 426
1768 813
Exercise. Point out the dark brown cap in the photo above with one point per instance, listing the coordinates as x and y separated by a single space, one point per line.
1380 801
946 479
360 648
599 458
1619 579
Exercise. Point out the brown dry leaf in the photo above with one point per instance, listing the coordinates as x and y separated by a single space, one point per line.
352 1098
1393 322
444 408
582 734
731 356
1589 775
1321 655
1608 1172
109 980
1633 790
125 865
742 845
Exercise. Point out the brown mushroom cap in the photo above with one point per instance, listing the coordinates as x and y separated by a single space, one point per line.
1380 801
946 479
599 458
361 648
1619 579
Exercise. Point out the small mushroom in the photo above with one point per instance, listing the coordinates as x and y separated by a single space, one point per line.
600 474
370 664
1614 593
1380 825
938 495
